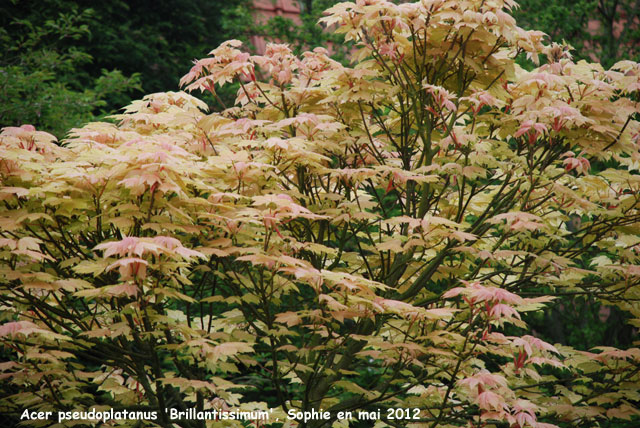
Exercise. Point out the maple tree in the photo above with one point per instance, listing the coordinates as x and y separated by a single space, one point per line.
344 238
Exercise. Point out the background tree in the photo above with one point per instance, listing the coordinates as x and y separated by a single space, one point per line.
56 53
609 30
307 34
41 81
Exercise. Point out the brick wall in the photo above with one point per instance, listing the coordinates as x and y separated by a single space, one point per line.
265 9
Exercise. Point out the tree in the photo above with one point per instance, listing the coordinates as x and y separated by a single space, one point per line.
39 78
66 62
157 38
606 29
343 239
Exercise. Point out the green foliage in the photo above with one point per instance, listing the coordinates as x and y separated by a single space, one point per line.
614 32
157 38
67 62
42 82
